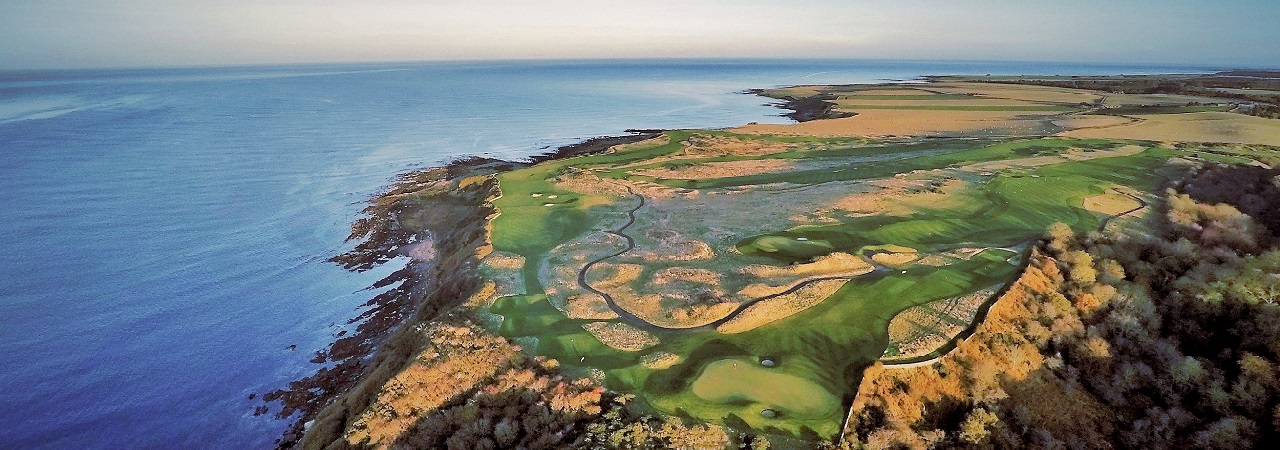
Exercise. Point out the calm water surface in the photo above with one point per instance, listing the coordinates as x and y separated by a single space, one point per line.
165 231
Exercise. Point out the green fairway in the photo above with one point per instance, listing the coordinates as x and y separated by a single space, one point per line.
732 381
983 226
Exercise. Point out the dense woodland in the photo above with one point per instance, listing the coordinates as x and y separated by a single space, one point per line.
1167 340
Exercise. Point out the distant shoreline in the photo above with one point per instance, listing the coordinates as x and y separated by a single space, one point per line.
361 354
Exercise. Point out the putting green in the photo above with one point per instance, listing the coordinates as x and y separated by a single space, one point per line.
736 381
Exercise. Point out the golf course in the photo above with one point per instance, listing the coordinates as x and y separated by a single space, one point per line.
747 276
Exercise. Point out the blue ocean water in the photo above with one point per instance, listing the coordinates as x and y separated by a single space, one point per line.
165 231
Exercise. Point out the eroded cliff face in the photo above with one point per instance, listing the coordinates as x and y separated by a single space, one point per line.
436 218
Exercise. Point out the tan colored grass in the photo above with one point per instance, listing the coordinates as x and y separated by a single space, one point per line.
838 263
1110 203
588 306
696 315
660 360
887 91
796 91
894 259
647 143
608 276
647 306
1091 121
621 336
894 196
691 250
1218 127
703 146
505 261
483 297
1156 99
1073 154
935 260
1038 94
963 252
589 184
919 330
720 169
898 249
781 307
757 290
876 123
852 102
689 274
558 273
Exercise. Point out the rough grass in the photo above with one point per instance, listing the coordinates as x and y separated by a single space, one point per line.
781 307
1213 127
1052 108
754 228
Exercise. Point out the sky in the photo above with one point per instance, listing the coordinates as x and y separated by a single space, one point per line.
132 33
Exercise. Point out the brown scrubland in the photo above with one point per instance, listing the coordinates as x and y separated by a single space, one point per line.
1169 340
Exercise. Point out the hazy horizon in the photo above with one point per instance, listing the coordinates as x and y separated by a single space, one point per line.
60 34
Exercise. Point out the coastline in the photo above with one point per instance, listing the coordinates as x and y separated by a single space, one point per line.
804 109
423 288
361 358
429 287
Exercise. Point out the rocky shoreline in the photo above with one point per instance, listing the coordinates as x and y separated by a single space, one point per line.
446 208
397 220
805 109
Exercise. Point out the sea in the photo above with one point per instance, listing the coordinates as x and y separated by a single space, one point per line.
164 232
